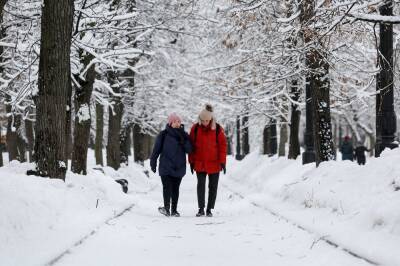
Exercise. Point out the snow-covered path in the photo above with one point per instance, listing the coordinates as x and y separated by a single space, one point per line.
238 234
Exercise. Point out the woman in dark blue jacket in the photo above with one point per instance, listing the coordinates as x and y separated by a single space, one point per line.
171 145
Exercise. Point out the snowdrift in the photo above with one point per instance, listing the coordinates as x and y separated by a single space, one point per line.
41 217
355 206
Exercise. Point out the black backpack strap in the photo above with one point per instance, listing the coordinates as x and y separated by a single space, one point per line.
196 128
217 130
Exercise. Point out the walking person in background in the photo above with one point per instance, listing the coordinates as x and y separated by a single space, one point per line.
359 153
208 157
347 149
171 145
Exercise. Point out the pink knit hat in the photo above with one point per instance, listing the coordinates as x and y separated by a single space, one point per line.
173 117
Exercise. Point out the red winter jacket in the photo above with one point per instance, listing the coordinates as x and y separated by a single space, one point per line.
208 154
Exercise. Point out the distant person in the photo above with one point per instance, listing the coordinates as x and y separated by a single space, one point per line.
171 145
347 149
359 153
208 157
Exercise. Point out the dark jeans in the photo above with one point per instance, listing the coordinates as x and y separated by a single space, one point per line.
212 189
361 160
171 191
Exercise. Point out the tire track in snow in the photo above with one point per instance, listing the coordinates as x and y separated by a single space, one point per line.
303 228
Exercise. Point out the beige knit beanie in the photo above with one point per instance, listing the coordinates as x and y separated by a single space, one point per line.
206 113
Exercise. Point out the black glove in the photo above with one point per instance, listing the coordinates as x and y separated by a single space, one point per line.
153 168
223 167
192 168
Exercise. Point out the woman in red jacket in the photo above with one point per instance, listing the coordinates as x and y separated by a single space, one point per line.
208 157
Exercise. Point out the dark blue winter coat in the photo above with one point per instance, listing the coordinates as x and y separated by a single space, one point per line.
347 151
171 145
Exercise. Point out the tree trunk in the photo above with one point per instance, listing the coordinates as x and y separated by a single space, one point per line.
1 148
21 143
273 138
54 86
228 140
270 144
99 134
245 140
30 137
385 115
294 143
125 143
372 143
238 140
68 129
82 118
11 135
282 139
307 11
323 144
266 140
114 125
138 144
2 35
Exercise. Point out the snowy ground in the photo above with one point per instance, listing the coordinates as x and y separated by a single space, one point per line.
269 211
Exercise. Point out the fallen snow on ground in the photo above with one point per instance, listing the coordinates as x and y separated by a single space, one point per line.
356 206
353 206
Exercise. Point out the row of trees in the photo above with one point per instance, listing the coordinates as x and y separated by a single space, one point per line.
129 63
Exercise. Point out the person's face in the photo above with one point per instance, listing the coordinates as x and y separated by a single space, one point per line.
176 124
205 122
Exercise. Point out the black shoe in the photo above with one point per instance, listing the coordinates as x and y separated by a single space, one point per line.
164 211
200 213
209 213
175 214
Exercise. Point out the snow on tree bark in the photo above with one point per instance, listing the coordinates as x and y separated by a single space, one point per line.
54 85
83 94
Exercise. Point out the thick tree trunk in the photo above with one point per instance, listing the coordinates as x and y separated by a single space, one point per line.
114 126
138 144
99 134
82 119
125 143
307 11
385 115
294 143
323 144
245 140
54 86
283 137
30 138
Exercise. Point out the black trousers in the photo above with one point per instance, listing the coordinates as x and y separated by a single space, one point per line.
361 160
212 189
171 191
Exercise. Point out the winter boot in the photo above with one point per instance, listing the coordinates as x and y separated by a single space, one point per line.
175 213
200 213
209 213
164 211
